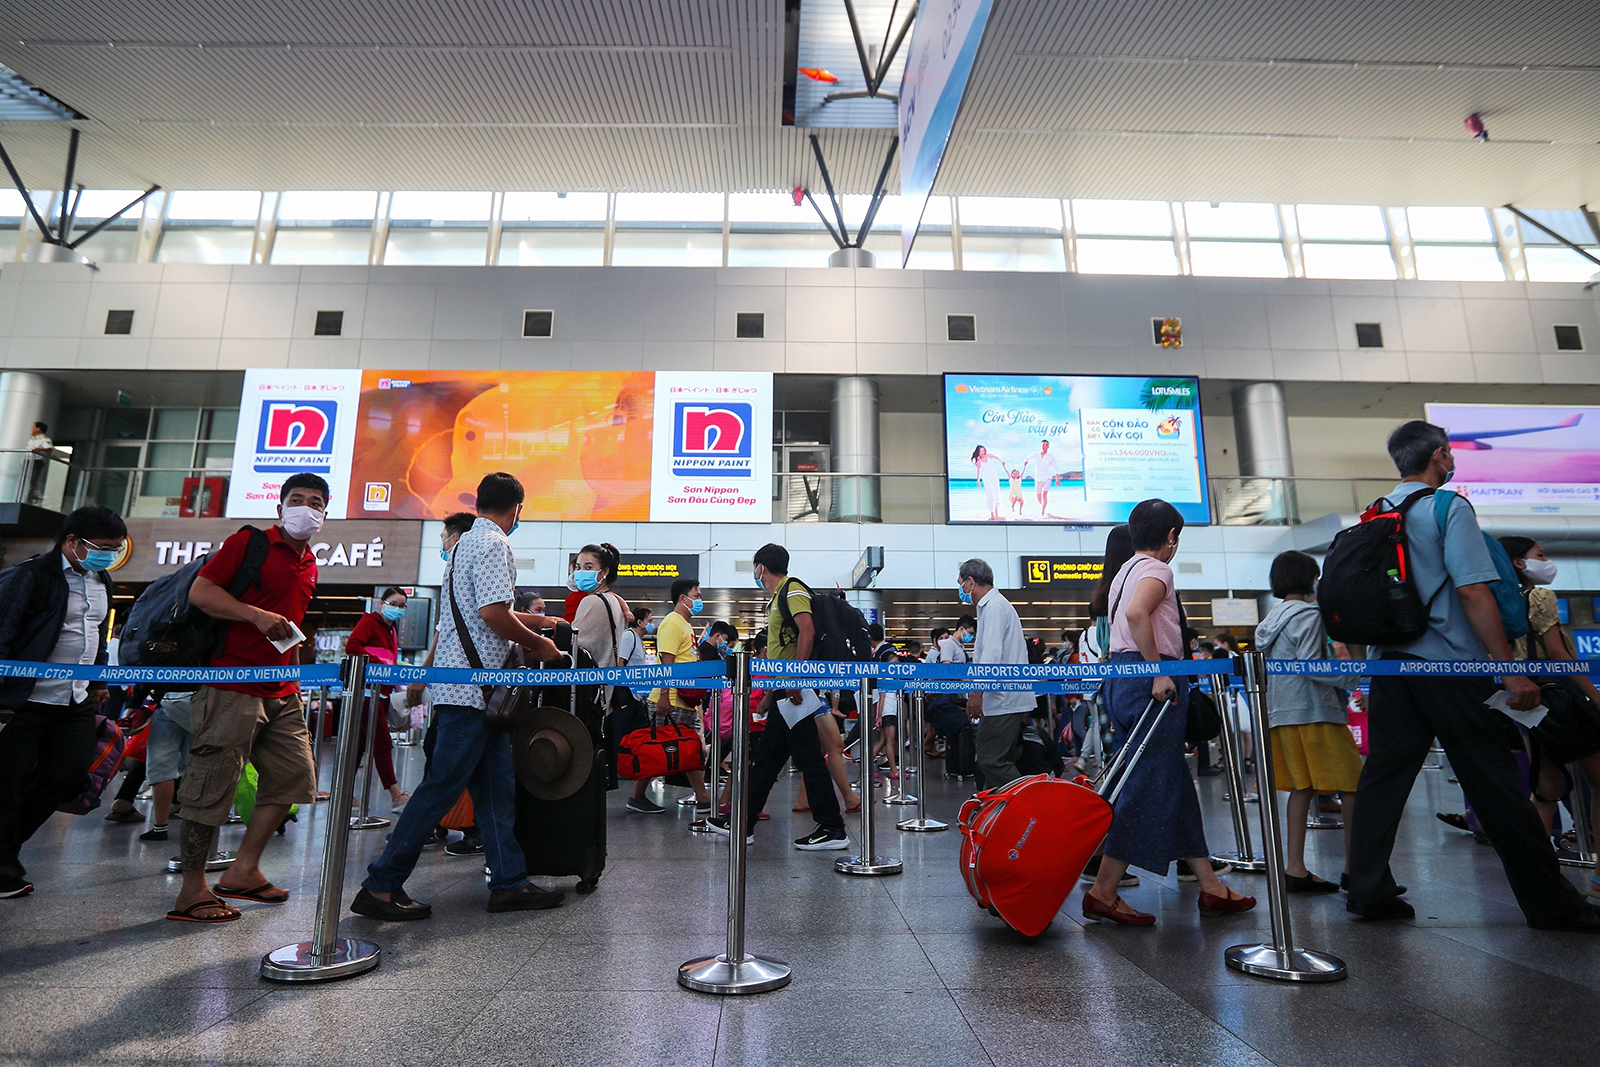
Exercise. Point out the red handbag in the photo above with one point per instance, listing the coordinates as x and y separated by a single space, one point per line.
657 751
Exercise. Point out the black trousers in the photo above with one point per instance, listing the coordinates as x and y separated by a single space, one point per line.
44 762
780 743
1405 714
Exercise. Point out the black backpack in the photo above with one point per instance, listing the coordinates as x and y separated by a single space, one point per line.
1368 595
163 630
841 629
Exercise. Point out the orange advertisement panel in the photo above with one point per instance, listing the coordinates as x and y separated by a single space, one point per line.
579 441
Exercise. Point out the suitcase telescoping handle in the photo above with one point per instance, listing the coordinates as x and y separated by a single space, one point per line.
1116 775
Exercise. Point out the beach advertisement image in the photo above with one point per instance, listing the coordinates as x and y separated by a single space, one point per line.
1525 458
619 446
1071 449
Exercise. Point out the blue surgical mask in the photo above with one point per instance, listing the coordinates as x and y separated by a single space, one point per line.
966 597
761 585
97 559
514 526
444 554
966 639
649 627
696 606
586 581
393 612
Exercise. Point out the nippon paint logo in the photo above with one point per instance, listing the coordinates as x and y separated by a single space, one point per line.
296 435
712 439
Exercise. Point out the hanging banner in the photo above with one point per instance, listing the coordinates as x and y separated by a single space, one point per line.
292 421
618 446
939 61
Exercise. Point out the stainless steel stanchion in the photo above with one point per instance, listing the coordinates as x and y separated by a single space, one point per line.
1580 820
898 795
327 955
316 744
1280 959
735 971
1243 857
921 824
867 862
361 820
714 743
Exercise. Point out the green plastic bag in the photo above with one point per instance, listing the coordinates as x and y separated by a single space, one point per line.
244 797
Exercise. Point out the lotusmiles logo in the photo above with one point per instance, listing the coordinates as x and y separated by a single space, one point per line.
711 439
296 435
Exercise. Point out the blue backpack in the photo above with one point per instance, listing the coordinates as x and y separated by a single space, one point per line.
1507 587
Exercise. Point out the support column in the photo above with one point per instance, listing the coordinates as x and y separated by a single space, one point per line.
1266 463
855 451
24 399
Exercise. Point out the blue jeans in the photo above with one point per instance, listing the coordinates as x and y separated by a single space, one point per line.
466 755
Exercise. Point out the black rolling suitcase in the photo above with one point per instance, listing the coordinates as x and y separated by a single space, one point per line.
567 837
961 754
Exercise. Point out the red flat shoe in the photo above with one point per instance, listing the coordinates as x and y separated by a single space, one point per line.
1119 913
1211 904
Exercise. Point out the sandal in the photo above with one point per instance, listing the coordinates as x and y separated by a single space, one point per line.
257 894
221 913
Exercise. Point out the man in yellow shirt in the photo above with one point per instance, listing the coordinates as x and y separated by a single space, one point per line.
675 643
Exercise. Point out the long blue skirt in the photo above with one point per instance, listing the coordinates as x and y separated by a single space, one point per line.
1157 816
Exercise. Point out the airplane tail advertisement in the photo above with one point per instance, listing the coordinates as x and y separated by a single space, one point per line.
621 446
1539 459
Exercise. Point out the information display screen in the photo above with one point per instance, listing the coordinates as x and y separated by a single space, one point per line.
1071 449
1529 459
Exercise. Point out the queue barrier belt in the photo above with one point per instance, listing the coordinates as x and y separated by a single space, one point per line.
890 676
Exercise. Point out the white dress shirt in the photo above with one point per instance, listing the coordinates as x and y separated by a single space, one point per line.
79 642
1000 640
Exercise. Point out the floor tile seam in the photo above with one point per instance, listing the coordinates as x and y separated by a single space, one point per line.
1443 931
924 950
261 994
956 1001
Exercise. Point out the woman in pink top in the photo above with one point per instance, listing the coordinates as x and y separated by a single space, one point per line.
1157 813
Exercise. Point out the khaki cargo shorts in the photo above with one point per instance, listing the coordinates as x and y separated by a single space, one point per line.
232 729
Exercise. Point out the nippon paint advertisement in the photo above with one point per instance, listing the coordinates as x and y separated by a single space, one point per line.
623 446
1527 459
1071 449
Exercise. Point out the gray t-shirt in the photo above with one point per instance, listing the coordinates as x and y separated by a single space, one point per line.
482 571
1440 565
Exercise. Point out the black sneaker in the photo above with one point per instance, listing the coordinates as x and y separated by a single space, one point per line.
820 840
1092 871
1185 874
467 846
718 824
15 887
645 806
529 898
1393 908
154 834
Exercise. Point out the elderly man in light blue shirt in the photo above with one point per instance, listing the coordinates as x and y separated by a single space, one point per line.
1000 716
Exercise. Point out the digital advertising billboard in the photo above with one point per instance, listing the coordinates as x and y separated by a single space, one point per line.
605 446
1023 448
1530 459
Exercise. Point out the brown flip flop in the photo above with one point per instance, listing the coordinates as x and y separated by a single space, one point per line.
226 914
257 894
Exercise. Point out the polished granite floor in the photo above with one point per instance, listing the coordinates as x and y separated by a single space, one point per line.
899 970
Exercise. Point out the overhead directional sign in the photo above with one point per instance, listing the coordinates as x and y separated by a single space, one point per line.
939 61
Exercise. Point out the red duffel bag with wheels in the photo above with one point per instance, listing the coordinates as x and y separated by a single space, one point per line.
657 751
1024 845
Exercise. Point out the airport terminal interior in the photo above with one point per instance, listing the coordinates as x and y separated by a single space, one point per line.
925 303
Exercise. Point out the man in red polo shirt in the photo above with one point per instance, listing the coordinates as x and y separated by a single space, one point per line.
258 723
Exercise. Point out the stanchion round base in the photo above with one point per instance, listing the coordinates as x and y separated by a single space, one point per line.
921 826
1250 866
1574 861
901 801
868 865
296 963
371 822
1296 965
700 827
687 802
753 974
1324 822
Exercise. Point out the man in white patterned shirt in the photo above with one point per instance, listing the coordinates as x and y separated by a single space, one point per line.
1000 716
479 589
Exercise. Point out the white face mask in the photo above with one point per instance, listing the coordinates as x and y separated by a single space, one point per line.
1540 571
300 522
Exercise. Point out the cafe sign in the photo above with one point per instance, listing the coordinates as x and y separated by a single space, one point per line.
354 552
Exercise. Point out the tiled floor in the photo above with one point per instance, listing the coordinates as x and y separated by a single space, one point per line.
900 970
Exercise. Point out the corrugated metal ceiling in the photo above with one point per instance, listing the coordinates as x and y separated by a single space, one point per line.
1359 101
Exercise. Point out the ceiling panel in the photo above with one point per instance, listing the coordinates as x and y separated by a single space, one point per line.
1233 99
